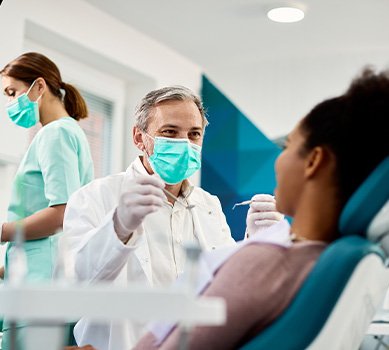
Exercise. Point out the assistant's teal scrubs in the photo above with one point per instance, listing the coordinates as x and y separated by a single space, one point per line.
56 164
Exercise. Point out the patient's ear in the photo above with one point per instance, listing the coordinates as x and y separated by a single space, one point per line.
316 159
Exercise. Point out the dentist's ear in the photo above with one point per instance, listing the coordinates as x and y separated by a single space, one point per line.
137 137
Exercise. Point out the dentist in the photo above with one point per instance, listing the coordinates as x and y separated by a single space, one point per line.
129 227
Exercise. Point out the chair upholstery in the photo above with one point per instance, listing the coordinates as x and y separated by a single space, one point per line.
366 201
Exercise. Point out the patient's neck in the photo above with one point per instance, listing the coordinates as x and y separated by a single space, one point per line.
317 218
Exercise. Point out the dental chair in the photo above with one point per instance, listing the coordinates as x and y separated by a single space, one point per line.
344 290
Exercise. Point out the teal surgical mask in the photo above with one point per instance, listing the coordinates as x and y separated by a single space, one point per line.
174 160
22 111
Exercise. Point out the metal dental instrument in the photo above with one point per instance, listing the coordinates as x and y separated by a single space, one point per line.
187 206
242 203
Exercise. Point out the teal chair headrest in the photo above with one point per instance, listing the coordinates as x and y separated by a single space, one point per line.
366 201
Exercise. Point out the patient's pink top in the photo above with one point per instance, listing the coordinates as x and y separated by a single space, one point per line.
258 283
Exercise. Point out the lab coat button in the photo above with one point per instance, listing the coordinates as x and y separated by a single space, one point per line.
210 212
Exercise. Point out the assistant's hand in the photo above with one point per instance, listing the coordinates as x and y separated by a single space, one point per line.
144 196
262 214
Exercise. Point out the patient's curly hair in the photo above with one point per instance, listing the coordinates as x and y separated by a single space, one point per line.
355 127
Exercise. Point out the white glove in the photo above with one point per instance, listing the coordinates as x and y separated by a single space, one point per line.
262 214
144 196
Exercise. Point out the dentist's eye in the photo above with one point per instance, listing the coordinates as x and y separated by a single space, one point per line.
195 135
169 132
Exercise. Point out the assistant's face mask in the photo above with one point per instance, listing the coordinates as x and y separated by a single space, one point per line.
174 160
22 111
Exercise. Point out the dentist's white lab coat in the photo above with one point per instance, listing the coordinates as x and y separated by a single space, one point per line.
98 254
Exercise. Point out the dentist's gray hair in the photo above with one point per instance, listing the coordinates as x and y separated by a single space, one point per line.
169 93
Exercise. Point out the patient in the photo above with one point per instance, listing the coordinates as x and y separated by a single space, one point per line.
326 157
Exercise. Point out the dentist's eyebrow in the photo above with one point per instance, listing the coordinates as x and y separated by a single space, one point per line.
169 126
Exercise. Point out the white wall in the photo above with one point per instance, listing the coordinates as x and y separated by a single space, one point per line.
282 90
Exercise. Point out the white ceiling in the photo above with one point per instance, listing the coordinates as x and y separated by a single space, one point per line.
232 35
214 32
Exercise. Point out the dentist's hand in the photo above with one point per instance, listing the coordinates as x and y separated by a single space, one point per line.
144 196
262 214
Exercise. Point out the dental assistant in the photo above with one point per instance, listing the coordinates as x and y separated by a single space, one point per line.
57 162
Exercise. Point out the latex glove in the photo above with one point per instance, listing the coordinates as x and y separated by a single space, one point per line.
262 214
144 196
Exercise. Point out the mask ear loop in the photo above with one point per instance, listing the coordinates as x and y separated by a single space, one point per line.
148 155
29 89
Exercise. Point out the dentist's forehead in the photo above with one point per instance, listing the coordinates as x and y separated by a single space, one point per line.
176 114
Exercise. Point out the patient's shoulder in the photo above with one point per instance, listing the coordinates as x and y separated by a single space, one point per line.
270 253
306 250
272 264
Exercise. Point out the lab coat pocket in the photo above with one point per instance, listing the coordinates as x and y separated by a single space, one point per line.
209 228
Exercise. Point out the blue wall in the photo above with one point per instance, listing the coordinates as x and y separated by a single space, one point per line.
237 159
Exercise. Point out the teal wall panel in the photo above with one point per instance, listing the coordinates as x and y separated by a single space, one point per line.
238 159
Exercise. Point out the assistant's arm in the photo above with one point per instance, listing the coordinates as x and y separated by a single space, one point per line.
57 150
42 224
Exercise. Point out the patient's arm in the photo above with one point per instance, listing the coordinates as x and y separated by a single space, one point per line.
239 283
257 283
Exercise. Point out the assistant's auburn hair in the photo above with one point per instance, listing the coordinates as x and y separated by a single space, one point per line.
32 65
